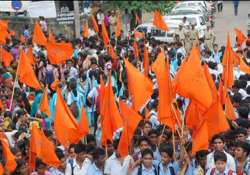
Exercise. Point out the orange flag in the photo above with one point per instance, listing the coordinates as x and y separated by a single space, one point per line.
192 115
1 169
65 124
51 37
159 22
111 116
216 119
145 61
38 35
244 67
4 25
200 137
105 35
118 27
10 162
229 109
25 72
189 84
4 31
210 82
54 84
6 57
161 70
58 53
2 108
42 148
22 39
240 37
130 121
135 50
44 105
31 56
140 87
222 93
83 124
228 63
138 35
94 23
85 30
111 52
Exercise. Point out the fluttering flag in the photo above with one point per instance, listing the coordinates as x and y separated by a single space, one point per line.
85 33
139 86
65 124
159 22
145 61
38 35
44 105
192 115
31 56
189 84
4 31
6 57
83 124
2 108
130 121
58 53
111 52
41 147
26 73
1 169
240 37
229 109
222 93
94 23
118 27
105 36
138 35
51 37
135 50
210 83
54 84
244 67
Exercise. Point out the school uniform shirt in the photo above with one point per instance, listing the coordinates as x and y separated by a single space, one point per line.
145 171
113 165
55 171
94 170
168 171
216 172
77 170
230 161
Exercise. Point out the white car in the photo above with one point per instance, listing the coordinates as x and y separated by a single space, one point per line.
192 19
158 34
202 4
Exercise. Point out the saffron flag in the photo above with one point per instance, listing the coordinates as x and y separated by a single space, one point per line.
159 22
111 52
145 61
44 105
140 87
25 72
94 23
38 35
31 56
118 27
85 33
240 37
51 37
6 57
138 35
135 50
244 67
83 124
105 36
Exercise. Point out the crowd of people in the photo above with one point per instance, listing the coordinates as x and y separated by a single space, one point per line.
155 148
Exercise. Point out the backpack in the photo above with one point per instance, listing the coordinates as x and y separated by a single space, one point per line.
230 172
140 170
171 169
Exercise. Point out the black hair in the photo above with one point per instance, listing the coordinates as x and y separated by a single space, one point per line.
218 136
98 152
153 131
241 131
90 138
201 154
147 122
220 156
166 148
244 145
243 111
79 148
90 148
141 139
146 152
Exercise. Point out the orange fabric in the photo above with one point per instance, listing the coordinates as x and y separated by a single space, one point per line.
1 169
44 105
10 162
94 23
4 31
138 35
229 109
38 35
216 119
58 53
102 93
54 84
83 124
189 83
65 124
222 93
118 27
4 24
200 137
51 37
2 108
210 83
145 61
111 115
85 33
12 33
25 72
112 53
228 63
105 35
192 115
161 69
6 57
31 56
130 121
139 86
42 148
244 67
135 50
22 39
240 36
159 22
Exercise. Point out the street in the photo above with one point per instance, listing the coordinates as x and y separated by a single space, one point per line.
226 21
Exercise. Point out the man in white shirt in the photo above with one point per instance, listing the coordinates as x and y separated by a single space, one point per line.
97 167
219 144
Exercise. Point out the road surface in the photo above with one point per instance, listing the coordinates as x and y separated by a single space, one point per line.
226 21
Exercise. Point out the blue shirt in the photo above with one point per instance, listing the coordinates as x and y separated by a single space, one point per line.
94 170
168 171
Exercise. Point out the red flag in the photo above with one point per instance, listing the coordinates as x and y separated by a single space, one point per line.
159 22
44 105
118 26
25 72
6 57
240 37
140 87
105 35
38 35
94 23
135 50
145 61
83 124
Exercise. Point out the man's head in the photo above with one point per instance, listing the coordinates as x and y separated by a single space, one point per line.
201 157
218 142
220 160
153 137
99 157
147 157
242 150
166 152
80 150
241 134
143 143
147 127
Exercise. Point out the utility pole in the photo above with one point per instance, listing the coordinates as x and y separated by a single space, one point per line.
77 19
